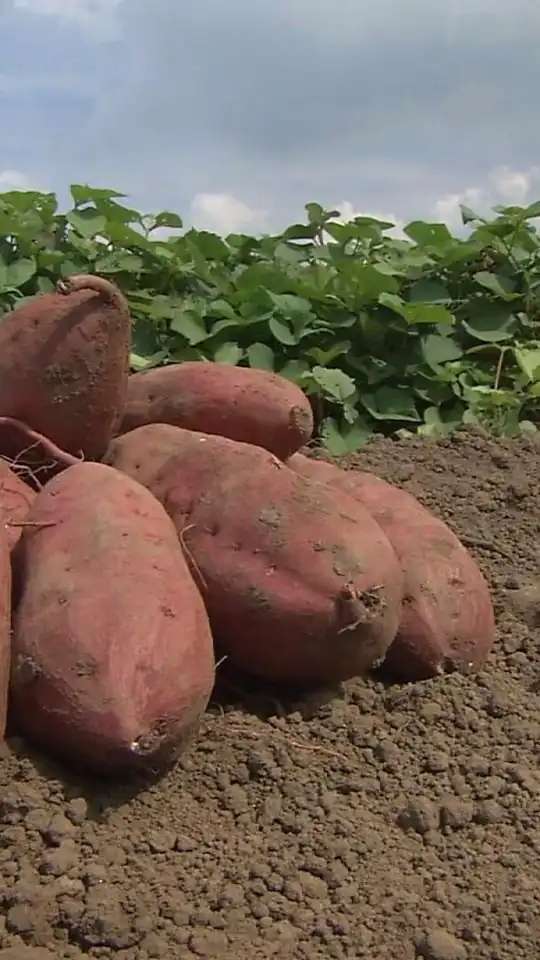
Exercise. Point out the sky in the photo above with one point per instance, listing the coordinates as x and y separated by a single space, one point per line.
235 113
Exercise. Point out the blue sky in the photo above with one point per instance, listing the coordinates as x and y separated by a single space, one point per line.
235 113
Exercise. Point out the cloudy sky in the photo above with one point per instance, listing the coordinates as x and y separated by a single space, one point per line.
235 113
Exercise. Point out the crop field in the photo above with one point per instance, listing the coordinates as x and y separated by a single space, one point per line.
269 587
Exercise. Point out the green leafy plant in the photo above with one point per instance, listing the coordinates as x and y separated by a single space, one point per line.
412 335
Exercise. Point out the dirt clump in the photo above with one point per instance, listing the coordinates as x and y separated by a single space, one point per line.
371 822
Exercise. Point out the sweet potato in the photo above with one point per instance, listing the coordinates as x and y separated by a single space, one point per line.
5 627
65 364
112 652
142 451
299 585
252 406
16 498
446 621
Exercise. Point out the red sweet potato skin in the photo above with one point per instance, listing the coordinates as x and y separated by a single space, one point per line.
5 628
65 363
16 499
447 621
248 405
112 661
143 451
299 586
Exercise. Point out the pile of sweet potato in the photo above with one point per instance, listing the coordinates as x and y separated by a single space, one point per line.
151 521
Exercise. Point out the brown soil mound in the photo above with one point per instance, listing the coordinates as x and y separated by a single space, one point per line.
376 822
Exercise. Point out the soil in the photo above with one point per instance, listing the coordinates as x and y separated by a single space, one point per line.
371 821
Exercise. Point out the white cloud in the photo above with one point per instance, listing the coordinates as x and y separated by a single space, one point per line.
447 209
294 132
503 186
223 213
14 180
348 212
514 186
98 14
381 123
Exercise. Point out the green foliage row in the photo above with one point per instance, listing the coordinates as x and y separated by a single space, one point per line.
415 335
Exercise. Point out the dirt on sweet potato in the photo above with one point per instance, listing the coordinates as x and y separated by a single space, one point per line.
447 620
112 660
300 585
65 363
244 404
